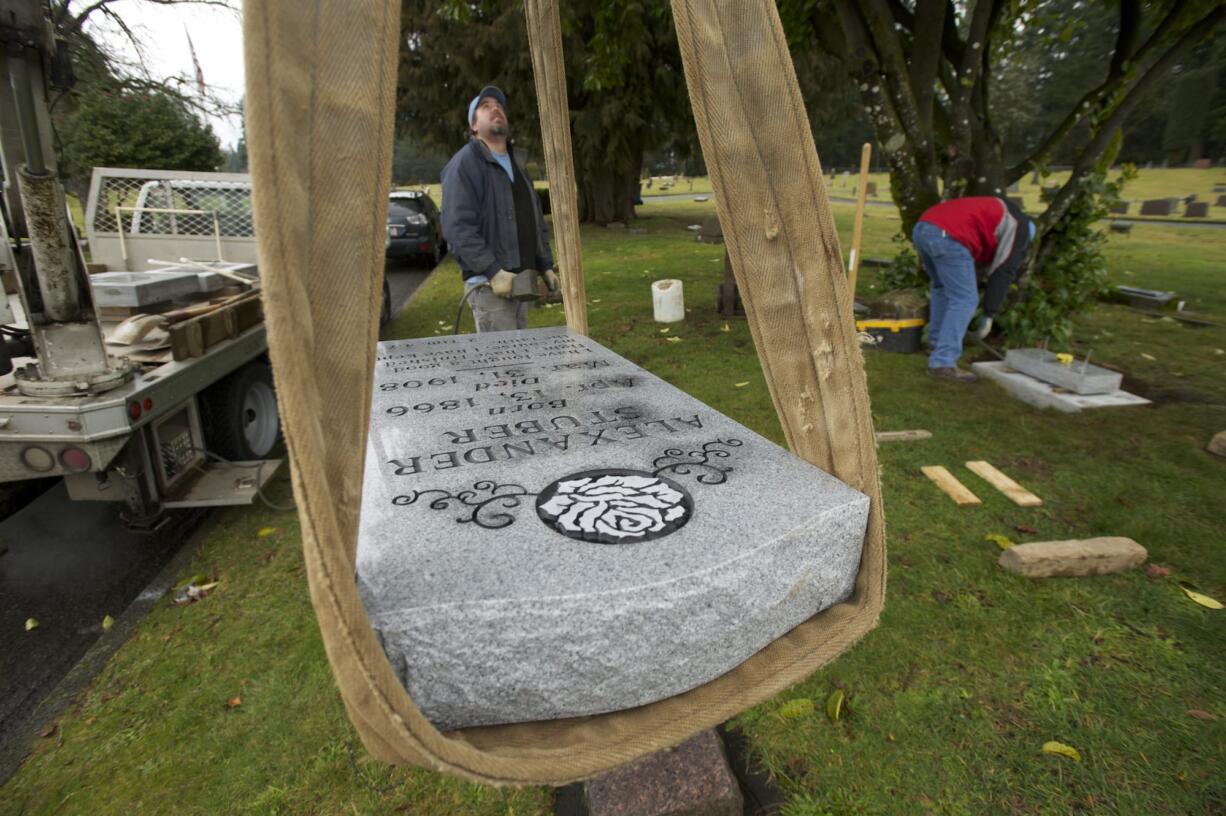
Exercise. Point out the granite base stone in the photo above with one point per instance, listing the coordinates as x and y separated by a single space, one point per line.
692 779
1044 395
1078 377
549 531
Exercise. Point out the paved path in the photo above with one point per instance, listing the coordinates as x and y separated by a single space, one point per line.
404 281
67 565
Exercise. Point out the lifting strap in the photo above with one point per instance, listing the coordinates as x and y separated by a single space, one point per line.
321 80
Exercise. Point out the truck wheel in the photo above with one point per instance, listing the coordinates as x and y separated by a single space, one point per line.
239 415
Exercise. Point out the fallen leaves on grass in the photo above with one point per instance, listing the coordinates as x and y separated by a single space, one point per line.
1149 357
725 328
1025 528
1059 748
107 623
665 330
740 384
31 624
672 339
264 532
1200 714
1202 599
795 709
198 578
834 705
192 593
1157 571
1002 541
234 702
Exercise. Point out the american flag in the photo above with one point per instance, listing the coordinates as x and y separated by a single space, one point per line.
195 63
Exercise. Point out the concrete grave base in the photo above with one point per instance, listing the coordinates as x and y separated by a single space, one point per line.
1043 395
692 779
1078 377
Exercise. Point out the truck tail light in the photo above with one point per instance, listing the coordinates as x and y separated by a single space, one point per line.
75 460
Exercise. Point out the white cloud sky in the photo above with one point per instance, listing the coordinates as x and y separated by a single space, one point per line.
216 34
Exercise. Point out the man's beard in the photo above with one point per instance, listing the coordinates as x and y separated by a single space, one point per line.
498 129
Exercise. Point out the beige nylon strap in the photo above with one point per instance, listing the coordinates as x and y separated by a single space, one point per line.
320 98
549 70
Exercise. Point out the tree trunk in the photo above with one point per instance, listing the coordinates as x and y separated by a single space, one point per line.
607 194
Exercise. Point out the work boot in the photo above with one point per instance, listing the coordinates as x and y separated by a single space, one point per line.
952 373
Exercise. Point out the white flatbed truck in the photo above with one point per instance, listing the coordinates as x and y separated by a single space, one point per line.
135 423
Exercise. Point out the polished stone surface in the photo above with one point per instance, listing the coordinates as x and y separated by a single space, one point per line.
549 530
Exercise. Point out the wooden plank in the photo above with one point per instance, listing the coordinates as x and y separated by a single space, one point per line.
866 154
903 436
195 336
1016 493
945 480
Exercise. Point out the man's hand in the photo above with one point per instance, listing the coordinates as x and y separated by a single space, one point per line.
985 327
501 283
551 280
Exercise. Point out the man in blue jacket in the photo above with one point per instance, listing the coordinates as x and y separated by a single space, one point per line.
492 217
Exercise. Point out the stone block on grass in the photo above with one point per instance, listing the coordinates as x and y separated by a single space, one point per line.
1079 377
1217 445
692 779
1156 206
1074 557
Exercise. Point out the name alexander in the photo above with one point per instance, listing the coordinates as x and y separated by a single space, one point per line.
561 433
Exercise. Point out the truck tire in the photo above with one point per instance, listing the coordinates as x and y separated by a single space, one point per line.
239 415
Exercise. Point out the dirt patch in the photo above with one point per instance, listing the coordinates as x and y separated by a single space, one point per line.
1166 395
1032 466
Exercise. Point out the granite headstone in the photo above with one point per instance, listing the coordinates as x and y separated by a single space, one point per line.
1156 206
548 530
711 232
1197 209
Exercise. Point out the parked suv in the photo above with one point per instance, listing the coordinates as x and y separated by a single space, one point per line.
414 232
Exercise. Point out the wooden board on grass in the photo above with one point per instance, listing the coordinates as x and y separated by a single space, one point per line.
945 480
1016 493
903 436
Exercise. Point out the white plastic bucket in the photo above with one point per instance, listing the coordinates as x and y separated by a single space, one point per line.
668 301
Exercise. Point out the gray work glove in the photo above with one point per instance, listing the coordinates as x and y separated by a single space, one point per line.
551 280
985 327
502 282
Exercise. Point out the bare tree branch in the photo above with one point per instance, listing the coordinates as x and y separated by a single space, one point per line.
1115 79
1105 130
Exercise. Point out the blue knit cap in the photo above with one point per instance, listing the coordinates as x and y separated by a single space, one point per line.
488 90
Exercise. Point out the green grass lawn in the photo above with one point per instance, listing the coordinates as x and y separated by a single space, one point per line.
950 699
1177 182
1160 182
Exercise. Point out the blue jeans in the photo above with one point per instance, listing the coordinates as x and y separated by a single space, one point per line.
955 294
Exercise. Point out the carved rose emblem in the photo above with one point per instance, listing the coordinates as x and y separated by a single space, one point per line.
614 507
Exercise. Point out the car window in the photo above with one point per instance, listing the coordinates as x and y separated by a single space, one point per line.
403 207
